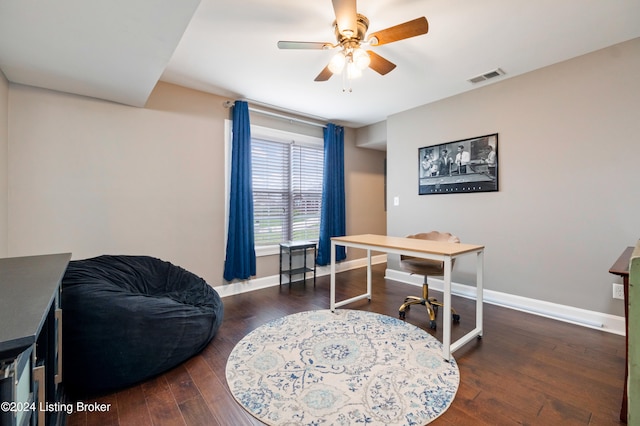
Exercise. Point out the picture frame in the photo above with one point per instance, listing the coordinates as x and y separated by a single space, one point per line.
461 166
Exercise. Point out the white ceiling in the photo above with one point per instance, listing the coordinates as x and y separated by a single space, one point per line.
118 49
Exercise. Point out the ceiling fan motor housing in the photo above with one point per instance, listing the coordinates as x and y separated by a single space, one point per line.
363 26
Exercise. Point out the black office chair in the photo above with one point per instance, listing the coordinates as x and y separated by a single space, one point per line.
427 267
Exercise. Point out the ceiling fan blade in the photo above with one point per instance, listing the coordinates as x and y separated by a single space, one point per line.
346 17
324 75
409 29
380 64
304 45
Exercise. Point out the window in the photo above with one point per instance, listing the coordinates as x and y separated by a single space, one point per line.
287 189
287 185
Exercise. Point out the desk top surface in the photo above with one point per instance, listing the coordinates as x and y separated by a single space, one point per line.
413 244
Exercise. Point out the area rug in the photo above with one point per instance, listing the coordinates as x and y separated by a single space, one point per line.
344 368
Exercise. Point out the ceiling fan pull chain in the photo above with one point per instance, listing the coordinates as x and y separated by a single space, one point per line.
346 83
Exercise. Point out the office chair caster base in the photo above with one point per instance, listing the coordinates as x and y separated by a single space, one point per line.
402 314
433 325
456 318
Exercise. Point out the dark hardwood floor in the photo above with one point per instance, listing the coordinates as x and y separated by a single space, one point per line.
526 369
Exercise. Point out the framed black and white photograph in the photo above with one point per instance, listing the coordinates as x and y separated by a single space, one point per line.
467 165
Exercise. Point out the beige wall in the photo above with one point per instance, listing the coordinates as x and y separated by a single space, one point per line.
4 165
94 177
568 155
364 188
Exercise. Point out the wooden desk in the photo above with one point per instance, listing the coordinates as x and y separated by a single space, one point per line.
425 249
621 268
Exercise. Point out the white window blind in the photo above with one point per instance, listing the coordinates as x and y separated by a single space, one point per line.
287 191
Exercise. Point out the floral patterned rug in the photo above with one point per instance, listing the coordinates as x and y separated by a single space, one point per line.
344 368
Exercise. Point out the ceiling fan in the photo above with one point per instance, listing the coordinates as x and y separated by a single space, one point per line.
350 29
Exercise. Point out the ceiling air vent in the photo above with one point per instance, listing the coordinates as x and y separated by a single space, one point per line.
486 76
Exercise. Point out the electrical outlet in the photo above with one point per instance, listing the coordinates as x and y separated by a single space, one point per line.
618 291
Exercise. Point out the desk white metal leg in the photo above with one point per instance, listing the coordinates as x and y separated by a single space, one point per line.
332 295
477 331
479 291
446 314
369 273
332 303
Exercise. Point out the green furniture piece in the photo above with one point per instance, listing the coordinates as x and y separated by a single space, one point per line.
633 382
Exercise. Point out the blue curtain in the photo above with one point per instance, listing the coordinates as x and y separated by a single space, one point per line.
240 261
332 214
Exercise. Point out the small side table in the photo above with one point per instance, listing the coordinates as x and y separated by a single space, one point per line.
292 247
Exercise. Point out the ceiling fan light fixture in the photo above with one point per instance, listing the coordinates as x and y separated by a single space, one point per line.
353 71
337 63
361 58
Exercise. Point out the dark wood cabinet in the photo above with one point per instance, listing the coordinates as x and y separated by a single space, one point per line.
31 340
621 268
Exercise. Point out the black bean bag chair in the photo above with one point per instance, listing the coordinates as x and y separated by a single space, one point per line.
129 318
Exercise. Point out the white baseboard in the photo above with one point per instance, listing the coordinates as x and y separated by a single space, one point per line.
243 286
591 319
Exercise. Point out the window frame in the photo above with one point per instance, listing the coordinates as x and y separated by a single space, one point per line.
269 134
